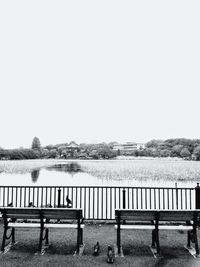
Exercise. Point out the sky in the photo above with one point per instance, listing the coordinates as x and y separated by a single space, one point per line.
98 71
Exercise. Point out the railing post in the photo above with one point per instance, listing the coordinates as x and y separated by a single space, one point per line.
176 195
59 197
197 196
124 198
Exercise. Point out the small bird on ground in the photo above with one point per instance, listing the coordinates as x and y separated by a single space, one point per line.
10 204
69 202
110 255
96 249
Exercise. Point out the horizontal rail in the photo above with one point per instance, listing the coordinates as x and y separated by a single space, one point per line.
101 186
98 202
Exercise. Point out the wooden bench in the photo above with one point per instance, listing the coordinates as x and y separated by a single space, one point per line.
43 219
155 220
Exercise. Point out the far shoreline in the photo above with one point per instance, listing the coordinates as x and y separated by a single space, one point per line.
118 158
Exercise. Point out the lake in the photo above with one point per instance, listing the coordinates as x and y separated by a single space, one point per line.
159 172
99 187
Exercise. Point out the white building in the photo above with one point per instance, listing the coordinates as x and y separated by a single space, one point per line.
128 147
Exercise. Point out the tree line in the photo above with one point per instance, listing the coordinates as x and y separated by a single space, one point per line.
180 147
60 151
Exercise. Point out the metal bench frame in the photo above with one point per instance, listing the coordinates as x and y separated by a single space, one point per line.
24 218
156 220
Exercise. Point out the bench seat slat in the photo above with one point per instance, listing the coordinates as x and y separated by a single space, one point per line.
23 216
72 226
24 225
152 227
132 227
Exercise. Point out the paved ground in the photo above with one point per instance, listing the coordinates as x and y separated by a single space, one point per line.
135 245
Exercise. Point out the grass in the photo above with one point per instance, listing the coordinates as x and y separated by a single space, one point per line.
144 169
60 253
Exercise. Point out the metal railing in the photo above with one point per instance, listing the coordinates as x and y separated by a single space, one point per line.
99 203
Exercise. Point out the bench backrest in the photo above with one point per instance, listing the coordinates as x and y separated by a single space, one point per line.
161 215
62 213
21 213
136 215
178 215
45 213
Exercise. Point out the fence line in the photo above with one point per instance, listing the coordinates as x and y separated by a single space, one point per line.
99 202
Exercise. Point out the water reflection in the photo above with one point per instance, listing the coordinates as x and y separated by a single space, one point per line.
34 175
100 173
70 168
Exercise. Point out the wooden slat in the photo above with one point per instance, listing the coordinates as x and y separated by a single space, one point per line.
176 215
21 210
136 227
24 216
162 215
137 215
176 227
22 213
58 213
151 227
60 225
24 225
49 213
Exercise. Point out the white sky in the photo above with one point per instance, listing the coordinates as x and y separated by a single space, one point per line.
94 71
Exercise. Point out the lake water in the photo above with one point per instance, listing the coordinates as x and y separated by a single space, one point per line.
100 173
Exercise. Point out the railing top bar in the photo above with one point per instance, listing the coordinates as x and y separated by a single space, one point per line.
117 187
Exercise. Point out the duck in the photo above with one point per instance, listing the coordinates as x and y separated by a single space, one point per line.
110 255
96 249
69 202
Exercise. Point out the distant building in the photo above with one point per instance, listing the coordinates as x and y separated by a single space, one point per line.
72 146
72 149
140 146
128 147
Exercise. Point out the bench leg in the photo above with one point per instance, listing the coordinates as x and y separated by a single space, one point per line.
79 239
157 241
13 235
4 239
153 239
196 242
188 240
47 237
40 241
81 236
118 240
